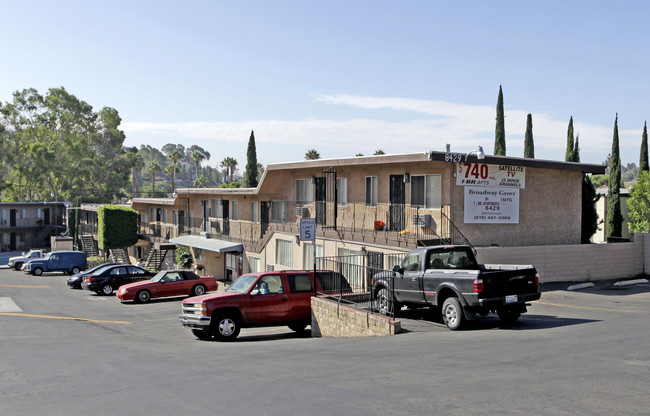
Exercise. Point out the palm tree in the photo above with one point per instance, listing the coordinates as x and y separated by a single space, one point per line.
201 182
197 157
379 152
136 163
152 169
171 171
229 164
312 154
174 156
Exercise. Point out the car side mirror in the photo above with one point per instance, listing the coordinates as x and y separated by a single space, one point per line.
398 269
255 292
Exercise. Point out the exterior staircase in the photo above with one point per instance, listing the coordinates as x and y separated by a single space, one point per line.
155 259
38 238
118 255
88 245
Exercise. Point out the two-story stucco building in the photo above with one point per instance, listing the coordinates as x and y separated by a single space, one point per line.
376 204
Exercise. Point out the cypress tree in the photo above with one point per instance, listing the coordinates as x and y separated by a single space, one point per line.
569 142
529 146
613 213
575 155
589 214
500 131
250 176
643 165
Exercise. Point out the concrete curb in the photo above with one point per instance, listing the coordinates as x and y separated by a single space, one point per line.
631 282
580 286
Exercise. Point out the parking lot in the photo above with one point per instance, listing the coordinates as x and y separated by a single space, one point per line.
69 352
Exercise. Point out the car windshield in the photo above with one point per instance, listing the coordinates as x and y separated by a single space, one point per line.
94 269
159 276
48 255
243 284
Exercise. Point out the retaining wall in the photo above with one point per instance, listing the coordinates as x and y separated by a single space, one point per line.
331 319
578 262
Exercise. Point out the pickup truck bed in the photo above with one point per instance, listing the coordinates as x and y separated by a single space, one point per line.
450 277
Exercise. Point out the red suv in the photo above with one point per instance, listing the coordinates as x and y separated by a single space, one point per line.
256 300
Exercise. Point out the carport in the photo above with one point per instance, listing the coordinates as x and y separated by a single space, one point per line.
219 258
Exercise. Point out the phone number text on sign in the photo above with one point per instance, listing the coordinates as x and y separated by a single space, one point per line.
481 174
491 205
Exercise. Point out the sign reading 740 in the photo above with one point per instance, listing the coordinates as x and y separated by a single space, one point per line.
481 174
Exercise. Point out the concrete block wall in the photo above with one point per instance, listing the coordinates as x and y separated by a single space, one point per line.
331 319
577 262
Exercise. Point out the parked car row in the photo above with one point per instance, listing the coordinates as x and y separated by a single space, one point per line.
37 262
134 283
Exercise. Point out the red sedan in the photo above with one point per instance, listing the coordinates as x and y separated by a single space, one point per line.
167 283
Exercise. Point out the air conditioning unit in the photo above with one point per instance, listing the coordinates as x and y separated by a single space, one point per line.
302 212
422 220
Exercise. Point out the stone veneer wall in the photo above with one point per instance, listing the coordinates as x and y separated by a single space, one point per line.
331 319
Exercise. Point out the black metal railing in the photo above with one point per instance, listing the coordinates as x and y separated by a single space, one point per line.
350 278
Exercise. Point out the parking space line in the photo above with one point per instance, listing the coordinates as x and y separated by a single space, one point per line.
640 296
586 307
27 287
66 318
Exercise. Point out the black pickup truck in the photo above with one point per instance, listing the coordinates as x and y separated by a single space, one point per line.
450 276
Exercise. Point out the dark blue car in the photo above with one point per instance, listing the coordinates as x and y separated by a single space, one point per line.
75 280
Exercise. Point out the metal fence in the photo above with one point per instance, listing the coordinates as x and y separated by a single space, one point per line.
349 278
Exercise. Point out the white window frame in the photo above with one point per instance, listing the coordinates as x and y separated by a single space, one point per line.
234 210
342 192
308 256
278 211
255 213
216 209
432 192
284 253
304 192
253 264
371 191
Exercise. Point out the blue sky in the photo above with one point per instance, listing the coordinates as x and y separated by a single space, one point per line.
342 77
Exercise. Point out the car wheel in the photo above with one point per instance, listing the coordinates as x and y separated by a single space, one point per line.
226 326
297 326
384 303
75 270
508 315
18 266
107 289
37 271
452 313
143 296
198 290
202 335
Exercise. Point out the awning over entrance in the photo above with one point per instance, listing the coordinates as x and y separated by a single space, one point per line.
210 244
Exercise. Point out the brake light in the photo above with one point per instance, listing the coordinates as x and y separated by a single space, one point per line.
536 279
478 285
89 279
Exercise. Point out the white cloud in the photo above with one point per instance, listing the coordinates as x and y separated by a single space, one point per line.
463 126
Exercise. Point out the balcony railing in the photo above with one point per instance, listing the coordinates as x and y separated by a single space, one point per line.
390 224
30 222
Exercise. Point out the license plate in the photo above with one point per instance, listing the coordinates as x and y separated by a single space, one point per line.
512 299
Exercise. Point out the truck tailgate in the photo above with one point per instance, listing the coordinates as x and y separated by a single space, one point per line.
508 282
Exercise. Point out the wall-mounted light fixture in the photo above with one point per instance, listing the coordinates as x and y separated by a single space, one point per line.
480 155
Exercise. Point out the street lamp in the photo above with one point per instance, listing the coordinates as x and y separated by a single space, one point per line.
480 155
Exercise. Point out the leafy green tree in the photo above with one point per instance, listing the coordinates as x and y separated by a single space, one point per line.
639 205
500 130
643 164
201 182
250 175
117 227
589 213
57 145
576 150
184 258
379 152
312 154
153 168
614 217
529 145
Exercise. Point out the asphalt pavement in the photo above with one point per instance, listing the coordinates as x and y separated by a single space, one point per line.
70 352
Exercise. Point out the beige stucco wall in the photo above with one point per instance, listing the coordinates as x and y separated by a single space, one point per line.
549 212
577 262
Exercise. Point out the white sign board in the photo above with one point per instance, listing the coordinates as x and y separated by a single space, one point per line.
308 229
491 205
481 174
